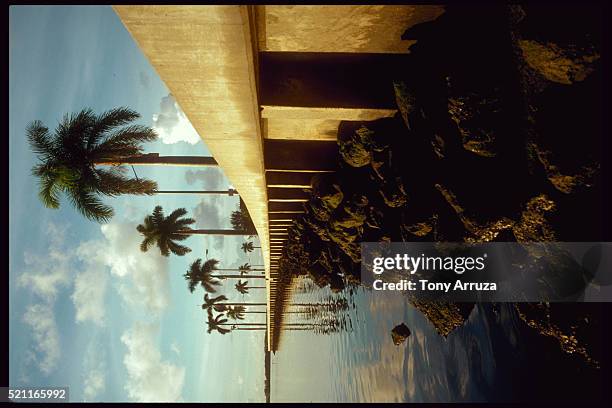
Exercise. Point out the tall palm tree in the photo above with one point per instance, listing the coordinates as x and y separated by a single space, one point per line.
241 219
229 192
235 312
244 269
248 247
215 323
68 157
201 274
243 287
214 302
164 231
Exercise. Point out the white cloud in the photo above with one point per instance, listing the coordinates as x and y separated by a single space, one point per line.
149 283
174 347
144 79
208 215
94 364
89 293
44 275
211 178
143 277
149 378
46 336
172 125
94 384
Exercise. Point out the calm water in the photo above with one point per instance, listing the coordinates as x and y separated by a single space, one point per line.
493 357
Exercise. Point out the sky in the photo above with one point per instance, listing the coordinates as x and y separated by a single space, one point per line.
87 309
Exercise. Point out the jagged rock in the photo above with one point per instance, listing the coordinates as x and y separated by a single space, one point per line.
474 115
357 143
438 146
556 64
419 229
393 193
533 226
564 182
325 188
400 333
353 147
568 325
445 317
406 102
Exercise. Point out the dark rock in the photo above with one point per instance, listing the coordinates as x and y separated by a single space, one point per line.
474 115
568 324
445 317
406 101
393 193
557 64
400 333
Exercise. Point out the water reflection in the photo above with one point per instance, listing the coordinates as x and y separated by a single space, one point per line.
492 357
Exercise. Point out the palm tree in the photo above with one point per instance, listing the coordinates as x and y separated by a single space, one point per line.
244 269
248 247
230 192
68 158
243 287
198 273
235 312
216 323
241 219
164 231
214 302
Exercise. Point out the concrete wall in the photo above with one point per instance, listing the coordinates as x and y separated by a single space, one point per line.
338 28
330 29
204 55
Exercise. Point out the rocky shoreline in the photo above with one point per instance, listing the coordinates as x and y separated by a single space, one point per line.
497 138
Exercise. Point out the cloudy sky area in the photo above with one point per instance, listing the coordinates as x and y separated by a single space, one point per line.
88 310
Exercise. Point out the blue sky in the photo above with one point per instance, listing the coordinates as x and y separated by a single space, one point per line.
87 309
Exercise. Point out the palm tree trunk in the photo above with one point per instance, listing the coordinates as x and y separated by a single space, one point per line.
237 270
242 304
213 232
219 192
256 287
156 159
237 276
284 325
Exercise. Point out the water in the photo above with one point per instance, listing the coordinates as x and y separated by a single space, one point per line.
493 357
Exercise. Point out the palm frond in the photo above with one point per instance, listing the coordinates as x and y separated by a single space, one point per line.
157 217
49 191
75 128
89 205
192 285
178 249
209 285
175 215
210 265
112 183
195 267
109 120
146 243
162 244
126 142
39 139
184 222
